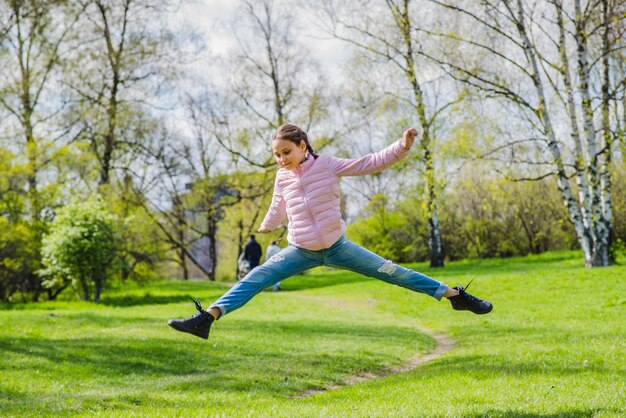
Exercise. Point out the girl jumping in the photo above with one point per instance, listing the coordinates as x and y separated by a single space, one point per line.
306 190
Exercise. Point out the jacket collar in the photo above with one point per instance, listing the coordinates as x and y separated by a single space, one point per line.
303 167
307 163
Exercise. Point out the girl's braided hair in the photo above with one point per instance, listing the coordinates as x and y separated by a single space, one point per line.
294 134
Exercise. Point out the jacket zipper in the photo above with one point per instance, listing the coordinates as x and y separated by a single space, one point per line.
306 204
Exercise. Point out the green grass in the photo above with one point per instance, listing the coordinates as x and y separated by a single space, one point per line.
554 346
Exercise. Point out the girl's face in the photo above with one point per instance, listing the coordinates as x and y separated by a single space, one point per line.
288 155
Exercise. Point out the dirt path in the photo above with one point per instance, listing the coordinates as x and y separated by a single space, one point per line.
444 344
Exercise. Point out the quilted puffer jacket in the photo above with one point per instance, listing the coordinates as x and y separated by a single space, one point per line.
309 196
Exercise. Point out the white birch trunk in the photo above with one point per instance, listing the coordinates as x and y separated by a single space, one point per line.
581 182
575 214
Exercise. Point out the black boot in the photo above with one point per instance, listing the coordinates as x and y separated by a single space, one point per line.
466 302
198 325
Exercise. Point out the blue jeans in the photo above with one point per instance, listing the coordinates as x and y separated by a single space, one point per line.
343 254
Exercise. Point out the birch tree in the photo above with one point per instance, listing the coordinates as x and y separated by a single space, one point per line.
548 61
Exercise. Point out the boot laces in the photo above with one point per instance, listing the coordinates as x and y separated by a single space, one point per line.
463 290
198 305
198 316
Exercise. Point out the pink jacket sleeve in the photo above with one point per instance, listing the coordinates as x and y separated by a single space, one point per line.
277 211
370 163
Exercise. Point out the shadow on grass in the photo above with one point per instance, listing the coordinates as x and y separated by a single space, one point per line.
146 299
257 356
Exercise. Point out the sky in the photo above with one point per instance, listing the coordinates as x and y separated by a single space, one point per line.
208 16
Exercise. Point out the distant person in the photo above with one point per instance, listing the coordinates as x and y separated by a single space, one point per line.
252 253
270 252
306 190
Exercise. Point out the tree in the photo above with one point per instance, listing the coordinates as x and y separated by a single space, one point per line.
116 74
82 247
33 41
545 63
186 195
19 245
31 46
277 81
387 34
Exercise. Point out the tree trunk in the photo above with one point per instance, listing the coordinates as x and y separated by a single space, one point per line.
239 245
109 138
211 234
53 293
97 291
86 291
183 264
564 68
598 223
436 246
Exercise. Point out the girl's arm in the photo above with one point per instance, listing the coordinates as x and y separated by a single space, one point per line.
375 162
276 212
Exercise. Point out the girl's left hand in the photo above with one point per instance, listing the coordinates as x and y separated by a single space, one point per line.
409 137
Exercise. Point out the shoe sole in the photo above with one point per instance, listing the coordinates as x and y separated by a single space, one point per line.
177 327
477 313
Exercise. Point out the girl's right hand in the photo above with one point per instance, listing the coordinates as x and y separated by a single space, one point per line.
263 230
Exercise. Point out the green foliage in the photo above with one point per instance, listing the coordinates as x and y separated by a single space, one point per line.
480 217
142 249
490 217
19 235
81 247
19 258
391 233
13 177
619 211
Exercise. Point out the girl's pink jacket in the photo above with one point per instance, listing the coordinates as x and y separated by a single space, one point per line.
309 196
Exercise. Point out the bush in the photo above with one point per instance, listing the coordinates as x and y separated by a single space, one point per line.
397 232
485 217
480 217
82 248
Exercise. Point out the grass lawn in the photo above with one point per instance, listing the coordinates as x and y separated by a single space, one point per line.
554 346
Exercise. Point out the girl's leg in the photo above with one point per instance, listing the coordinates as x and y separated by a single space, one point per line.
288 262
350 256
